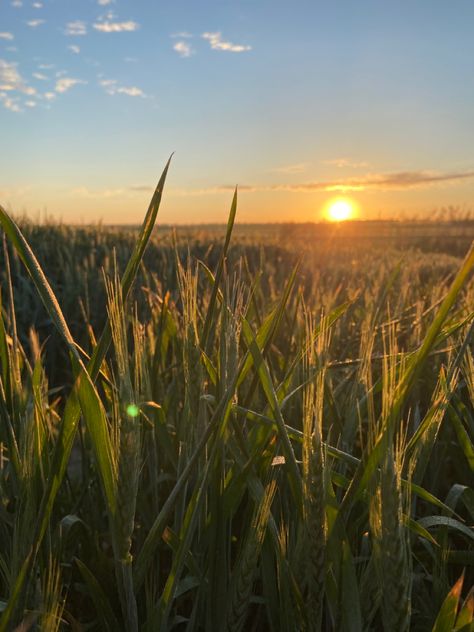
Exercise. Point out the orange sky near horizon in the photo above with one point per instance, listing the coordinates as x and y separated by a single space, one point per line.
267 203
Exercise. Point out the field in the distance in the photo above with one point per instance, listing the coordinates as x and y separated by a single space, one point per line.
277 435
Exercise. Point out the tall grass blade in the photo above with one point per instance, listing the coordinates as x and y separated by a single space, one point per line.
372 458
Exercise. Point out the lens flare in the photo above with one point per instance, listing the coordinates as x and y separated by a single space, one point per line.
133 410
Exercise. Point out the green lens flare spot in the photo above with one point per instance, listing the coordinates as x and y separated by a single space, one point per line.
133 410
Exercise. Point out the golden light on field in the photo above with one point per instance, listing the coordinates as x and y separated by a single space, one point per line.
340 209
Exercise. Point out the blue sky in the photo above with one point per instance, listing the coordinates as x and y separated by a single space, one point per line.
297 102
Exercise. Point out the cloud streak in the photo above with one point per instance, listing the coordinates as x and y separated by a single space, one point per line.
297 168
346 163
101 194
76 28
131 91
116 27
35 23
66 83
217 43
7 36
400 181
112 87
181 35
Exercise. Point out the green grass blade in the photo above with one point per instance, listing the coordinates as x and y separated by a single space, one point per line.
267 385
463 438
132 268
104 609
95 417
447 615
267 331
211 310
36 273
372 459
72 409
451 523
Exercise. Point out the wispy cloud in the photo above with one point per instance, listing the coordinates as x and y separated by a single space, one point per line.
297 168
18 191
37 5
12 81
184 49
109 85
9 103
101 194
104 3
77 27
132 91
386 181
217 43
141 188
181 35
404 180
7 36
112 87
40 76
17 4
342 163
35 23
66 83
116 27
74 49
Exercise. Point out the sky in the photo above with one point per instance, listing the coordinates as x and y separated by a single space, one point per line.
295 102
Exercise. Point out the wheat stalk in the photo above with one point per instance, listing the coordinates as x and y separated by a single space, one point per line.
244 573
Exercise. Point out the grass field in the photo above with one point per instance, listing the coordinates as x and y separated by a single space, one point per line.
271 430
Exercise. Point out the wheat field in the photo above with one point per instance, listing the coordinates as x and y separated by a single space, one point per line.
204 433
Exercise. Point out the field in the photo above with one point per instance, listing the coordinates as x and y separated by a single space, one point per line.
265 430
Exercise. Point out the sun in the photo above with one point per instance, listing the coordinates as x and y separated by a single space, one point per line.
340 209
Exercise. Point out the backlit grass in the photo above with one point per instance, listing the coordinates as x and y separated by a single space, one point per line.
248 436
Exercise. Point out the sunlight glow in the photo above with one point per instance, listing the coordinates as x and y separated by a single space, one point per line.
340 209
